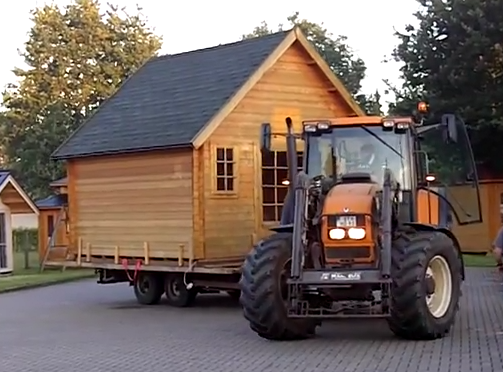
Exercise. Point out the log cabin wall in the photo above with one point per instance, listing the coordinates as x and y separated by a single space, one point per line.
130 200
237 210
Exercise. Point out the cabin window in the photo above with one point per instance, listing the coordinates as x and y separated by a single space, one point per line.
225 169
275 183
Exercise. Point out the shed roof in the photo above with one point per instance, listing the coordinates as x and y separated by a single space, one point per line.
168 100
52 201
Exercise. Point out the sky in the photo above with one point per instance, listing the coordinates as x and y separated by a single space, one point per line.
187 25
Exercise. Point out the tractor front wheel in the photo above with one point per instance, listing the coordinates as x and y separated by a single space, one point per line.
264 291
426 273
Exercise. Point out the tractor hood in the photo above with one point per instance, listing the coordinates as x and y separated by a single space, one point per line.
354 198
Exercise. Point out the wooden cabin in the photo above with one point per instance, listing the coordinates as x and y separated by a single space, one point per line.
171 164
478 238
52 220
13 200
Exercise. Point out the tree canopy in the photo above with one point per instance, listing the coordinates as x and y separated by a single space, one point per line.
336 52
453 60
75 57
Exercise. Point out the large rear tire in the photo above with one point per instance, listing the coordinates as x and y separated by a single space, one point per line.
426 273
264 291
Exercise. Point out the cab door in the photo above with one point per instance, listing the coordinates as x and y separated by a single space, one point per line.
450 160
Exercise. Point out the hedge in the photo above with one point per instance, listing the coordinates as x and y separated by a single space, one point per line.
25 240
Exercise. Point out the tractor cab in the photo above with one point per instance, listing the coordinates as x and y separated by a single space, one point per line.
431 164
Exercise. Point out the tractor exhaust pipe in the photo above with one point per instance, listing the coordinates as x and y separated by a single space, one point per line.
291 150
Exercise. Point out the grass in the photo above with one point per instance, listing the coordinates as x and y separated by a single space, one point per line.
478 260
28 278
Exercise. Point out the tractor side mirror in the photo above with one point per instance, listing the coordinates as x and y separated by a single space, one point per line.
450 128
265 137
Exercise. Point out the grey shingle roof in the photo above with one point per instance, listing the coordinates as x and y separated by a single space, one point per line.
169 100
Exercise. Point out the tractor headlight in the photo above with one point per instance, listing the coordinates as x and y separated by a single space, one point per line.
356 233
336 234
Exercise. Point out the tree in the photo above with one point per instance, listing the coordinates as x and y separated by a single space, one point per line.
454 60
338 55
76 58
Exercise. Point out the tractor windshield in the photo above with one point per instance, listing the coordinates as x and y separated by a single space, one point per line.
359 149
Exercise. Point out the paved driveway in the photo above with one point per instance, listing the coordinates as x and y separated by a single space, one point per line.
84 327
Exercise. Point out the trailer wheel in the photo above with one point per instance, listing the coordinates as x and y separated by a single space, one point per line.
264 291
177 293
426 273
148 288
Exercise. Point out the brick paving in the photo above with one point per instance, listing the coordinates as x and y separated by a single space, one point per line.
84 327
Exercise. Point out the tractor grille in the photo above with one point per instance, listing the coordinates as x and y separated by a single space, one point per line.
347 252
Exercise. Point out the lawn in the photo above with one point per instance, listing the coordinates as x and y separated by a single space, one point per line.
477 260
31 277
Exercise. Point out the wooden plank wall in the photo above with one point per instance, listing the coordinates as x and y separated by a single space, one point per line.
131 200
293 87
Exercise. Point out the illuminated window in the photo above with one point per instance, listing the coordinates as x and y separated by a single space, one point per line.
274 187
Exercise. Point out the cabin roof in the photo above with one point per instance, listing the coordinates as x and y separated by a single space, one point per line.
169 99
52 201
6 178
176 101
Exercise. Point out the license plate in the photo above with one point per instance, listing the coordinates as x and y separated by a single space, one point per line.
346 221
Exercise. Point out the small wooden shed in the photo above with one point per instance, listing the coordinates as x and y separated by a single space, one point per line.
13 200
171 162
53 222
478 238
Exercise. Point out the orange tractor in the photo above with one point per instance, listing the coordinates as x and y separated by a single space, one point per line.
365 228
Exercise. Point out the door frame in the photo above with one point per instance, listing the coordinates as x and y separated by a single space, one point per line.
8 239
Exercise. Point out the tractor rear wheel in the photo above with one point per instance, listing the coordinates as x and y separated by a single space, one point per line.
426 273
264 291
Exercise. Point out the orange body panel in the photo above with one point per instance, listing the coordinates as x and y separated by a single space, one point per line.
351 199
427 207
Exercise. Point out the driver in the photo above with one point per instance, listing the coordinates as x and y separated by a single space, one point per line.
368 159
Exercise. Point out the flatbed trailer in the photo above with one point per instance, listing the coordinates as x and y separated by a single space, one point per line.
180 280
